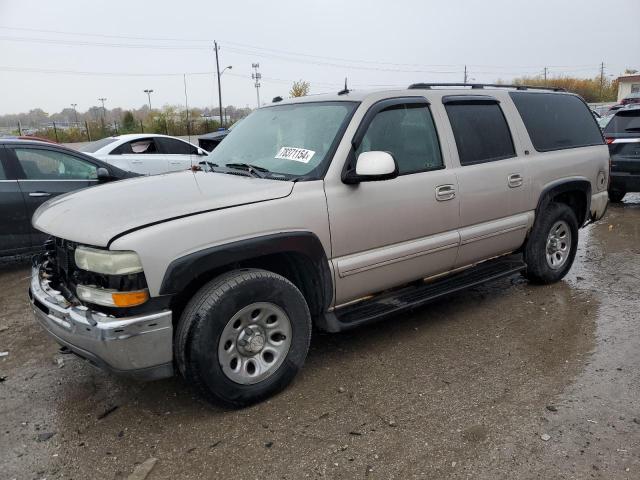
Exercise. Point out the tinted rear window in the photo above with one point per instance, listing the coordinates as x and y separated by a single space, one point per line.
97 145
624 121
556 121
481 132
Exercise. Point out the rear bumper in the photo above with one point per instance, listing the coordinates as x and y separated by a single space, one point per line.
139 346
624 182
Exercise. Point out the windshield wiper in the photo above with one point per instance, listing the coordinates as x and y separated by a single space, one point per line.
208 164
252 169
632 129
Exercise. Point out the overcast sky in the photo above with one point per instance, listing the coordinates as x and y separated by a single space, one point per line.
54 53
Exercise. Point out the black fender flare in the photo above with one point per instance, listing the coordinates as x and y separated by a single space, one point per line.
183 270
566 185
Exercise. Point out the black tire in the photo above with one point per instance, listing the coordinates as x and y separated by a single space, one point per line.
207 314
616 196
535 251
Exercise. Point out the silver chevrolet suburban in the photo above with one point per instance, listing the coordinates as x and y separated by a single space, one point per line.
329 211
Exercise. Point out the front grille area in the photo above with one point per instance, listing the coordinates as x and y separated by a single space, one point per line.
60 267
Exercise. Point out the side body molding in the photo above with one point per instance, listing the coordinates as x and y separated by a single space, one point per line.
182 271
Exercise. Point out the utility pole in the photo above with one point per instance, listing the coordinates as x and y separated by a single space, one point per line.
465 74
149 92
74 105
601 79
215 46
545 76
104 114
256 76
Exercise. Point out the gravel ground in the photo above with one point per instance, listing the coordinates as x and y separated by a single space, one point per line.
508 380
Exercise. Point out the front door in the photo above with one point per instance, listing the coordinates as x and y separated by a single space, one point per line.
14 222
46 173
387 233
492 179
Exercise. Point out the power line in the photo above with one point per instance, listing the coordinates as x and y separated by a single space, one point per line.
242 49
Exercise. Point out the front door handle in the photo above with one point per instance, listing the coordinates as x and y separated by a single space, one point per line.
445 192
39 194
515 180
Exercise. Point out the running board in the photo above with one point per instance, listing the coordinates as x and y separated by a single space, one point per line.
419 294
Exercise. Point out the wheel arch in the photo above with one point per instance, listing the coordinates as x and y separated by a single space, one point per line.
297 256
574 192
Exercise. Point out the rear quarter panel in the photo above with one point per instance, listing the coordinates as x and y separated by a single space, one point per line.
547 168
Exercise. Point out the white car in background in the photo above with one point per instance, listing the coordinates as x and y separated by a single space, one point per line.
148 154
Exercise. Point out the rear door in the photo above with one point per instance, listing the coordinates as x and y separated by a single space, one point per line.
143 155
14 221
492 179
180 155
44 173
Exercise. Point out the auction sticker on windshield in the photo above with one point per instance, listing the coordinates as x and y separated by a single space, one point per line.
295 154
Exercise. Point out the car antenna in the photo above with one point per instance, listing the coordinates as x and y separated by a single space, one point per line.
346 89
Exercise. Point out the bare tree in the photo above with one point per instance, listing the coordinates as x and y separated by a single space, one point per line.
299 89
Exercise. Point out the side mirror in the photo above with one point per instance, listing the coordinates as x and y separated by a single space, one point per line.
373 166
103 174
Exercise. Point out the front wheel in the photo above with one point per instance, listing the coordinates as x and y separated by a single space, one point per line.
243 337
552 244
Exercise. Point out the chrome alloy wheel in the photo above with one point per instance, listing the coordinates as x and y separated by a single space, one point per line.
254 343
558 244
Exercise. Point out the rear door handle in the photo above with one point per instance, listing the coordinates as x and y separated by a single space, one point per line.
39 194
445 192
515 180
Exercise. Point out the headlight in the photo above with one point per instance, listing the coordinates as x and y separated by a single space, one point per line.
111 298
107 262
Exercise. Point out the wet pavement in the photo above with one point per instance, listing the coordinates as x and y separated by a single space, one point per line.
508 380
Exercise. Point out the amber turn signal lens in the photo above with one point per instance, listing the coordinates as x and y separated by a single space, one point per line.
130 299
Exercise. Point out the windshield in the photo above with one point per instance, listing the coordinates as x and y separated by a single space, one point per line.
97 145
291 139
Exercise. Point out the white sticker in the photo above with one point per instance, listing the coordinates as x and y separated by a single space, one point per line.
295 154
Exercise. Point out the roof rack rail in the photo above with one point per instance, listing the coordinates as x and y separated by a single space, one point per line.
422 86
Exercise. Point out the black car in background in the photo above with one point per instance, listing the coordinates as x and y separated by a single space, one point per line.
32 172
622 134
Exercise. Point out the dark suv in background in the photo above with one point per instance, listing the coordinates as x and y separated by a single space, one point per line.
622 134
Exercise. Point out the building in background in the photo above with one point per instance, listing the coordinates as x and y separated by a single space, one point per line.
628 84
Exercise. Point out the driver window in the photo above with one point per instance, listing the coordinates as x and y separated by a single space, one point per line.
408 133
39 164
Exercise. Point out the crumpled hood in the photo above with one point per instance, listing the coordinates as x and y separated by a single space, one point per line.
95 215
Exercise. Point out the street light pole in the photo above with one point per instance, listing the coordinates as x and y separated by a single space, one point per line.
215 46
75 112
149 92
104 111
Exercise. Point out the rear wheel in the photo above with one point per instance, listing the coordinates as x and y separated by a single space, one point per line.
616 196
243 337
552 244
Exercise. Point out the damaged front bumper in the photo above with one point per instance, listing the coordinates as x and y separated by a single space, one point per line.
140 346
